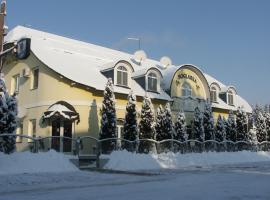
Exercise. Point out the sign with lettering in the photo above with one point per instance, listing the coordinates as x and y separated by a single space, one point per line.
187 76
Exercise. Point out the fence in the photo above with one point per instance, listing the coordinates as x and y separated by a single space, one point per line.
91 145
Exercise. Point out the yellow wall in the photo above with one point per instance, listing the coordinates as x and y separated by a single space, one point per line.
52 88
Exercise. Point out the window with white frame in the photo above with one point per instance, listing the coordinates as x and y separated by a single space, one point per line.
186 90
213 94
35 78
230 98
152 82
122 76
15 83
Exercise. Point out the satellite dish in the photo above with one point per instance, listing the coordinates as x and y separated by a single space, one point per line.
140 56
165 61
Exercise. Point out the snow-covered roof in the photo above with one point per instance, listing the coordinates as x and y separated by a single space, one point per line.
169 72
238 100
80 61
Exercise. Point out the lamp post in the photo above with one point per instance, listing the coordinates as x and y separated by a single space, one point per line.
3 30
136 39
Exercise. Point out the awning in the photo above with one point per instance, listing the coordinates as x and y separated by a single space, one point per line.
62 109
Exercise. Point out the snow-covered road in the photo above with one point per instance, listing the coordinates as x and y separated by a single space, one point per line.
245 181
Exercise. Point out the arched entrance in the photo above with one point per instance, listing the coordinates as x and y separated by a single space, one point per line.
62 117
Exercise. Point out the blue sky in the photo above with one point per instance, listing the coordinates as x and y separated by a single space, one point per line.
229 40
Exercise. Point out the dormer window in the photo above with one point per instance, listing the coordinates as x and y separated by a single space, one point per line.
122 76
230 98
186 90
152 82
213 94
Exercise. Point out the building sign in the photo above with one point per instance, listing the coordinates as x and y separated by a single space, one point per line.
187 76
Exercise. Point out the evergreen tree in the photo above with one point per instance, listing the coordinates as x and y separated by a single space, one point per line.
252 134
168 124
8 118
181 127
130 124
160 122
260 124
108 120
230 127
208 122
198 129
146 126
267 123
220 132
241 125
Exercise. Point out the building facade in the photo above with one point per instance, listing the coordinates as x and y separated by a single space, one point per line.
60 85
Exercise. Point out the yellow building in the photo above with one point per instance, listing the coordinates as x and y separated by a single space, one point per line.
60 85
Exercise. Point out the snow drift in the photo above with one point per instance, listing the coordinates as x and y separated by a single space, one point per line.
26 162
123 160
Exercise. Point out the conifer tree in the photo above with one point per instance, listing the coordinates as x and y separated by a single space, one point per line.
267 123
241 125
260 127
130 124
8 118
198 129
230 127
252 133
220 132
168 124
181 127
208 122
160 122
108 120
146 126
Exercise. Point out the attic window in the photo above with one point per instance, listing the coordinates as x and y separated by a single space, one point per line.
152 82
122 76
213 94
230 98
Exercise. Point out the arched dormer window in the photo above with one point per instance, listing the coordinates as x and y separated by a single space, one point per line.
122 76
213 94
152 80
186 90
230 98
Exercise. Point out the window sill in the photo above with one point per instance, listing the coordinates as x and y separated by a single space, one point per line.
153 91
124 86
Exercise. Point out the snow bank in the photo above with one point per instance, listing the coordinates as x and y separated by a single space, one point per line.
26 162
123 160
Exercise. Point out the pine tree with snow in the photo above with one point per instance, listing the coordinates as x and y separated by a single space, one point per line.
164 124
220 132
160 121
260 123
230 127
180 127
208 122
252 133
267 123
198 129
108 120
130 124
146 126
8 118
241 125
168 125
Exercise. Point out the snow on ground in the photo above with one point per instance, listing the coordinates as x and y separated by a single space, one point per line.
241 182
123 160
26 162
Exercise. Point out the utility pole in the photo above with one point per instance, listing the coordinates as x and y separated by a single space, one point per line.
3 29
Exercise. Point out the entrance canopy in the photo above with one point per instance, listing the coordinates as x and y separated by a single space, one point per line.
62 109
